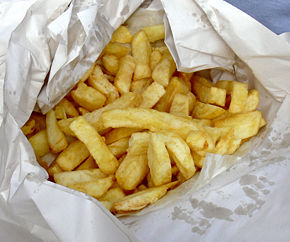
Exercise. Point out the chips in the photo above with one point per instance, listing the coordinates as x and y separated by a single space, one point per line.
133 127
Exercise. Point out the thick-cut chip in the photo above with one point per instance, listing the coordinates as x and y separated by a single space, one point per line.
155 32
96 188
117 134
138 86
139 200
53 169
98 81
141 188
122 35
149 180
72 156
206 111
149 119
207 93
198 157
141 51
113 195
56 139
263 122
158 160
227 144
252 101
87 74
192 100
124 74
106 161
89 163
60 112
225 84
109 77
83 110
180 153
39 143
239 95
186 77
116 49
119 147
88 97
151 95
73 177
245 124
134 167
175 86
28 127
111 63
180 105
164 70
155 58
69 108
127 100
197 140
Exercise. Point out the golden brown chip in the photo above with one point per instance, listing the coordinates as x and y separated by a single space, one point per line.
122 35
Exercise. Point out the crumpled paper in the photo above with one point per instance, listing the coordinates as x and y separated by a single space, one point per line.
245 195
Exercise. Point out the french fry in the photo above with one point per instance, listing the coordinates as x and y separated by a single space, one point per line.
197 140
139 200
83 110
95 144
111 63
89 163
127 100
151 95
68 178
53 169
60 112
122 35
88 73
180 105
155 58
239 95
225 84
141 51
206 111
175 86
88 97
119 133
118 148
39 143
149 180
186 77
96 188
227 144
155 32
198 157
207 93
28 127
252 101
245 124
69 108
116 49
164 70
192 101
109 77
124 74
139 86
134 167
151 119
158 160
98 81
263 122
56 139
72 156
180 153
114 194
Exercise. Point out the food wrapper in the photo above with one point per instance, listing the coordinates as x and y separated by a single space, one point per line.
51 44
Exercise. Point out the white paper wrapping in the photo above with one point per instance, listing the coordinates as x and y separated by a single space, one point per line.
243 197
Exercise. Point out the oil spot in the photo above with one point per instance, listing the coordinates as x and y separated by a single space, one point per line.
251 193
259 185
180 214
265 191
248 179
210 210
198 230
